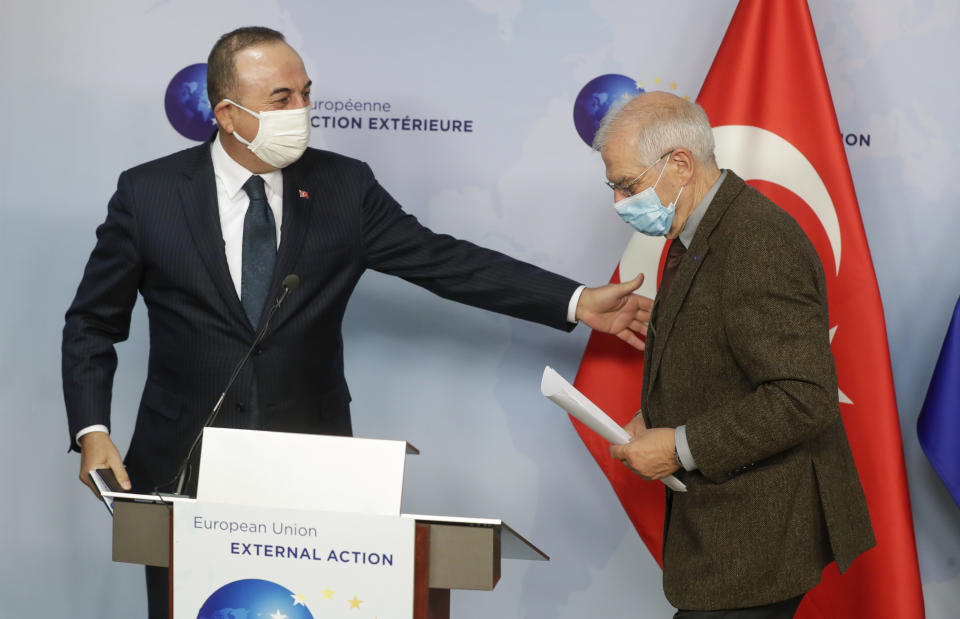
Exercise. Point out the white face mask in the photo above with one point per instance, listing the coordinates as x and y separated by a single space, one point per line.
282 137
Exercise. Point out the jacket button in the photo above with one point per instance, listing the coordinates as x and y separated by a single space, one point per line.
239 406
258 351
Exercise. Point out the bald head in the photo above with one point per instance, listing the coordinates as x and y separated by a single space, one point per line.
655 123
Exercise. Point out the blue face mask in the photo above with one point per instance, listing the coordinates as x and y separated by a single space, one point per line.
646 213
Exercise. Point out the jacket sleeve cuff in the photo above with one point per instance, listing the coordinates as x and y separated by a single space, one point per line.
94 428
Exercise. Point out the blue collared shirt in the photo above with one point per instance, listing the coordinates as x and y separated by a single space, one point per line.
686 237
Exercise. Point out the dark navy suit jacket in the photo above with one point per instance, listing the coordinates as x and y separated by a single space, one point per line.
162 238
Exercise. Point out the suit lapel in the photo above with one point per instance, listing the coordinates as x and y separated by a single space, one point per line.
298 196
198 197
669 307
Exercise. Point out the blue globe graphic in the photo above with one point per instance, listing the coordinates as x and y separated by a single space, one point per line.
595 99
252 599
187 106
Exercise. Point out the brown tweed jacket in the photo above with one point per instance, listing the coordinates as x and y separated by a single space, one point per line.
741 355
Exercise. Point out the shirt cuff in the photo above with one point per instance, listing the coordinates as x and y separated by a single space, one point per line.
89 429
683 449
572 306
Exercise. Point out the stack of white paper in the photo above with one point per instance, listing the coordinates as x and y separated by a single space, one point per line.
567 397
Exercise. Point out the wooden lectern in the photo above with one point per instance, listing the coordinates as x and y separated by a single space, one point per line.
449 553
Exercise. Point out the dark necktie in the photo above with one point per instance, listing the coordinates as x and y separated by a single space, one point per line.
259 258
259 251
674 256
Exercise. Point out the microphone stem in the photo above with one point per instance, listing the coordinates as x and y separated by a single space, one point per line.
184 472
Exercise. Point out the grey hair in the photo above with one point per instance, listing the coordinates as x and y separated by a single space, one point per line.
662 122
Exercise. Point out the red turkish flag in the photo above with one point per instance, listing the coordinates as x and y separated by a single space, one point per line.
774 122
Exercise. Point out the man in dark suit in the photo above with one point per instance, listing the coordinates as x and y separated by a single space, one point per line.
740 395
207 235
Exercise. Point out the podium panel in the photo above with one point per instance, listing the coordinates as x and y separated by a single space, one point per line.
286 562
464 557
141 533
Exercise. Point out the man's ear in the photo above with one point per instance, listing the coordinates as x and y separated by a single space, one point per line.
684 162
224 114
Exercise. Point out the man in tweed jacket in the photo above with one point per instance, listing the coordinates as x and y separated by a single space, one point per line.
740 393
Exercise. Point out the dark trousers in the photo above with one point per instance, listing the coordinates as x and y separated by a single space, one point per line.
158 592
778 610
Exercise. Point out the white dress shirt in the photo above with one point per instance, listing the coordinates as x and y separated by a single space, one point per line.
232 204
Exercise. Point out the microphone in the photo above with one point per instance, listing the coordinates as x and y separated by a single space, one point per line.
290 283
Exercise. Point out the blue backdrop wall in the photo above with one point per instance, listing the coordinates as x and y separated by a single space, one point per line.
85 86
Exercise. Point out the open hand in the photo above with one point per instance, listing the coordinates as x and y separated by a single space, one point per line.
615 309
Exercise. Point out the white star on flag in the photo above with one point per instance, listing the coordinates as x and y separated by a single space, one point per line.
278 615
843 397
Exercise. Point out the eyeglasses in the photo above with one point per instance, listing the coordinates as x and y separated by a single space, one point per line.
626 189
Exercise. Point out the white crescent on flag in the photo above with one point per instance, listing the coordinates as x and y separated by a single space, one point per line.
758 154
642 255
